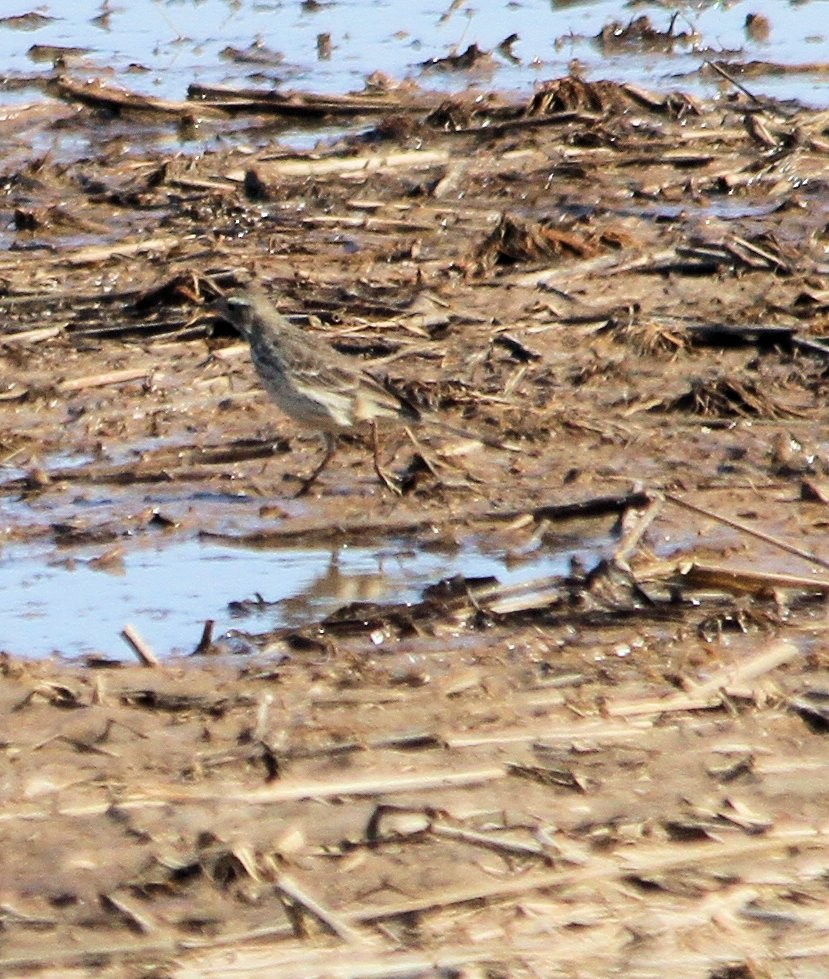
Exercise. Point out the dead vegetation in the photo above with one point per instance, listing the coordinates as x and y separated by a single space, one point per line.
617 770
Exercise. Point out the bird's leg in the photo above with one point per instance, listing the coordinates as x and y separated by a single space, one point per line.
383 476
330 449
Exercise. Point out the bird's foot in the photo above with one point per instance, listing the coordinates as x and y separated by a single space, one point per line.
308 481
305 482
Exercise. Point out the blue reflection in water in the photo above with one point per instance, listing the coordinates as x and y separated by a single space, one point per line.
159 48
54 604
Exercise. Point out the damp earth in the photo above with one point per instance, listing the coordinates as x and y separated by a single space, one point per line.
550 700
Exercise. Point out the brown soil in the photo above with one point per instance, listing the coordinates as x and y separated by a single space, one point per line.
616 772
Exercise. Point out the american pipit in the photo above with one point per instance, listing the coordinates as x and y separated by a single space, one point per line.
316 385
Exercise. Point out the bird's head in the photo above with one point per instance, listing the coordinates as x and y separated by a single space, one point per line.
239 309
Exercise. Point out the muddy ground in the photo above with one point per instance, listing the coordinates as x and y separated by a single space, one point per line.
621 771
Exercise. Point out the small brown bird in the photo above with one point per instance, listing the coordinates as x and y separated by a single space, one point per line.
313 383
316 385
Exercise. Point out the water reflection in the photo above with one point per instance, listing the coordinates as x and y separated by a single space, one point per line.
159 48
78 604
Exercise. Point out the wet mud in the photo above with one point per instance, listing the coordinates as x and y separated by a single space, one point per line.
619 768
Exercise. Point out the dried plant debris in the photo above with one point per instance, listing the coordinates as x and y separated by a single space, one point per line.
31 21
513 240
649 338
724 397
588 737
576 95
640 34
472 58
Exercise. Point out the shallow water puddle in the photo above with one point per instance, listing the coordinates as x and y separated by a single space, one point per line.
77 605
165 46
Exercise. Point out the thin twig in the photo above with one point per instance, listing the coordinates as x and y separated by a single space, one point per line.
630 541
101 380
309 532
37 335
742 581
139 646
809 556
381 784
652 860
708 694
733 81
300 167
341 928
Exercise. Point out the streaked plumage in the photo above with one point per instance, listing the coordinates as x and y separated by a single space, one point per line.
316 385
